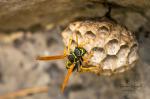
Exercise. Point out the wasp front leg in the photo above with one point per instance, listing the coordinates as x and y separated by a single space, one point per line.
67 48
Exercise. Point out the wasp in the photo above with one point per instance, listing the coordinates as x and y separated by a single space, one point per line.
74 60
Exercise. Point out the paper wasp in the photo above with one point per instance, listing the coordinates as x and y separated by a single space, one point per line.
74 60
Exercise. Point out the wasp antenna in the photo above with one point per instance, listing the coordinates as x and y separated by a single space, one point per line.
67 77
46 58
77 39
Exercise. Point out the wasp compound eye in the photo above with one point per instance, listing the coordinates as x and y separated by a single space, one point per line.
78 52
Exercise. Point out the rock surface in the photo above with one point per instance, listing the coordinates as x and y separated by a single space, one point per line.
20 14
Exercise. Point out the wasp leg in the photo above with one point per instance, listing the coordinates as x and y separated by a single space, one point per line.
70 42
86 59
83 44
94 69
67 50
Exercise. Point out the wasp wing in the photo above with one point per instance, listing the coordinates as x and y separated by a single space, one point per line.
46 58
67 77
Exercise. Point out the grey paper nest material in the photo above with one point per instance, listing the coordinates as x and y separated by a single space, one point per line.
114 48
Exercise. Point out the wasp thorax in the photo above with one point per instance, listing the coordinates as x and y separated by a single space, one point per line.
114 48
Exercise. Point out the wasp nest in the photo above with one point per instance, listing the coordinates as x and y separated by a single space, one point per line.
114 47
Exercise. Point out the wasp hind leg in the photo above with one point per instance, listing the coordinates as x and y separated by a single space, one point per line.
93 69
